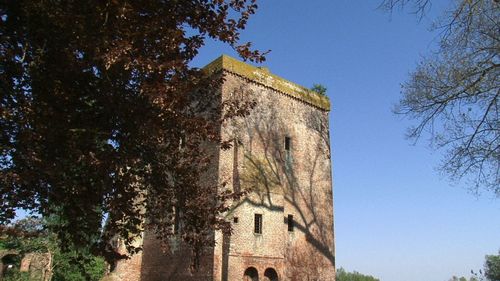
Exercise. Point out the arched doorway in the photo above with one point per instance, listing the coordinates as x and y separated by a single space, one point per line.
270 275
251 274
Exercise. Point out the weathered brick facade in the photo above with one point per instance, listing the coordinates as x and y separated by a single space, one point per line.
282 157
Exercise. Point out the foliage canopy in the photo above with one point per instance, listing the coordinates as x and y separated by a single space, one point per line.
102 117
492 267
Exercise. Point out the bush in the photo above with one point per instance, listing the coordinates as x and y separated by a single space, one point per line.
343 275
15 275
73 267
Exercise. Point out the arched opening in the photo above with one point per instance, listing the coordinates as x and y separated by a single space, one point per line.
8 263
270 275
251 274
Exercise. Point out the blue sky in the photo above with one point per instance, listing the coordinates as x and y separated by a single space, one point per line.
396 217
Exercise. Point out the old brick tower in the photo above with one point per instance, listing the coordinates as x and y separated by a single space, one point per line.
283 228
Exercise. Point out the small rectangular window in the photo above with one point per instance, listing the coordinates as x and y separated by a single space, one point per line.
235 219
290 223
287 143
258 224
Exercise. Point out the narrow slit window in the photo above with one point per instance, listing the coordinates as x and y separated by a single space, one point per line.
291 223
182 140
177 220
258 224
288 143
288 153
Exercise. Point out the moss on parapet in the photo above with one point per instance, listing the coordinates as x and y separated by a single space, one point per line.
262 76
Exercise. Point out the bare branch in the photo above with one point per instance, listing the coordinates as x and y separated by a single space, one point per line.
453 95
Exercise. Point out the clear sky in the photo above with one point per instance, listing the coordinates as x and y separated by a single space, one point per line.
395 217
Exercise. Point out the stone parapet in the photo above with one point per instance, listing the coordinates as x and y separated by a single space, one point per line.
263 76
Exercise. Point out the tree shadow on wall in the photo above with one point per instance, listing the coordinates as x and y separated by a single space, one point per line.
301 173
